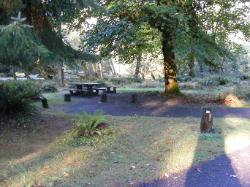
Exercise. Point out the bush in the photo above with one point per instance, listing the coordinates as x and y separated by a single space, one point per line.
184 78
148 84
244 77
16 97
89 125
218 80
49 87
124 80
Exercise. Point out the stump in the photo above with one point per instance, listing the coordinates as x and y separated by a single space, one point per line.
44 102
108 89
206 121
134 98
104 98
67 97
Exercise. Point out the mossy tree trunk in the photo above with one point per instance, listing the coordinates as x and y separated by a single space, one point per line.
171 84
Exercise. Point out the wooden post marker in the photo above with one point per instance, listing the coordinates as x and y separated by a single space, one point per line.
67 97
104 98
45 103
134 98
206 121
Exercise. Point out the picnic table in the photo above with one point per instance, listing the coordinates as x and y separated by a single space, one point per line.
90 89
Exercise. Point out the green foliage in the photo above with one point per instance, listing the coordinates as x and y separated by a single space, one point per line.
124 80
49 87
20 47
184 78
198 28
88 125
46 18
16 97
218 80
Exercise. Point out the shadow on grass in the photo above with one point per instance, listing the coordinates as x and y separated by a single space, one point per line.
215 172
214 159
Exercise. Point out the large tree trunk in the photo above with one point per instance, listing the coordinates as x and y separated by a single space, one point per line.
138 66
171 85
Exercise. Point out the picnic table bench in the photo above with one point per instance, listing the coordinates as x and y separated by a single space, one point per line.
90 89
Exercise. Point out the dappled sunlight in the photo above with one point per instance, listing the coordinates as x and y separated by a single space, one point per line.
151 103
29 156
171 145
181 155
159 110
173 102
236 134
59 166
236 141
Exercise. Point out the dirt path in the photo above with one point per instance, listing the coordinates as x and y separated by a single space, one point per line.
120 105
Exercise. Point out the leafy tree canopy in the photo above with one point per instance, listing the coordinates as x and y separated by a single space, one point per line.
200 28
46 18
21 47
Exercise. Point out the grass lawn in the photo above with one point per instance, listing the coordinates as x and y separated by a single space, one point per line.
134 149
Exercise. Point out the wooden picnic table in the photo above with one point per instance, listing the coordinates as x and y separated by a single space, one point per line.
88 85
90 89
86 89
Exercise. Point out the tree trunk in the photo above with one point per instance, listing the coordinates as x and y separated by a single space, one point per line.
191 65
201 70
138 66
14 72
112 67
62 75
100 69
171 85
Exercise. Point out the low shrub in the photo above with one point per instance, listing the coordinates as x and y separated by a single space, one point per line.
218 80
244 77
149 84
103 82
243 92
89 125
16 97
124 80
49 87
184 78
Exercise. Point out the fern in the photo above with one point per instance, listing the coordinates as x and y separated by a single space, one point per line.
88 125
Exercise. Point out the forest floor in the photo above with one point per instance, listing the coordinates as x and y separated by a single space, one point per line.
135 150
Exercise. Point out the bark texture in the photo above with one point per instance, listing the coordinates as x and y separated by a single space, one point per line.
138 66
171 84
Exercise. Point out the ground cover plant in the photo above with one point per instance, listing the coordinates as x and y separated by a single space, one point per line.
89 125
